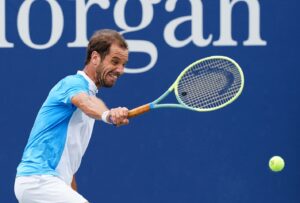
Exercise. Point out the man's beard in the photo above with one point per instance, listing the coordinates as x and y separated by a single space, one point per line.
101 78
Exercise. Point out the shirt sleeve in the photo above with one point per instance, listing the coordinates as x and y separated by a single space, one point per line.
69 87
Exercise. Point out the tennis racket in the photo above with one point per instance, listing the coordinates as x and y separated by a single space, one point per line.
206 85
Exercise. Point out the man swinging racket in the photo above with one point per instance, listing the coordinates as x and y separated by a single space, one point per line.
64 124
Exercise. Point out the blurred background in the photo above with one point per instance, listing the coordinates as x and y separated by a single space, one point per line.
168 155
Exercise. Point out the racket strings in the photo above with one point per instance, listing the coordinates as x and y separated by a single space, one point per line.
209 98
207 102
208 95
209 84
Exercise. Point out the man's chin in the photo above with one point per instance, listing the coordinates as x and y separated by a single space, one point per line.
108 84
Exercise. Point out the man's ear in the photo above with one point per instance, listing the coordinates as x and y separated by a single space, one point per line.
95 58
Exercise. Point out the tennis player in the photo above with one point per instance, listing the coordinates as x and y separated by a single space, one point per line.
64 124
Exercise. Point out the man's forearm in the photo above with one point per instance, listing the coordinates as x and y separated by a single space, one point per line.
90 105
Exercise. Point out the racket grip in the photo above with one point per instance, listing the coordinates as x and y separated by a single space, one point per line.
138 111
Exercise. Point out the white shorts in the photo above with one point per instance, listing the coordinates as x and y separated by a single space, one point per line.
45 189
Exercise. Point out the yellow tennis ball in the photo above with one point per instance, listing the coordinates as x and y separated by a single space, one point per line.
276 163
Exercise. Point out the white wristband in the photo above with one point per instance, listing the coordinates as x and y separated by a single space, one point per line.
104 117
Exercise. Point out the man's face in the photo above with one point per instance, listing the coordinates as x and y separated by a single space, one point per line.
112 66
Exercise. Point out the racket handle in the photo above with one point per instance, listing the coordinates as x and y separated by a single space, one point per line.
138 111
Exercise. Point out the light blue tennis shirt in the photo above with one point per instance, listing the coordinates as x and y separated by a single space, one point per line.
61 132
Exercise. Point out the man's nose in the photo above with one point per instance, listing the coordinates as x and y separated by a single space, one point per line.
121 69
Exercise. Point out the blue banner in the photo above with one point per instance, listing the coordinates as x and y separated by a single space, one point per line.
166 155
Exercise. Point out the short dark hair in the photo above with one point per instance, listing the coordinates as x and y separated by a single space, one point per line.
101 42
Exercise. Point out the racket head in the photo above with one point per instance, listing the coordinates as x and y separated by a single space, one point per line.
209 84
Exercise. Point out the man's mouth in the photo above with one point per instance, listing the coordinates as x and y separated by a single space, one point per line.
115 76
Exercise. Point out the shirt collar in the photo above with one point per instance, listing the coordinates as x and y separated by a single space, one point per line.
92 85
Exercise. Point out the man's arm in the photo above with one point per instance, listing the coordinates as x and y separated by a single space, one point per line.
73 184
94 108
90 105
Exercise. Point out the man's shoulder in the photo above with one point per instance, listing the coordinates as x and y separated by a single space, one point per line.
76 80
68 83
75 77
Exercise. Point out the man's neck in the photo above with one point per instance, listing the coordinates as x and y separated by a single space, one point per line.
91 74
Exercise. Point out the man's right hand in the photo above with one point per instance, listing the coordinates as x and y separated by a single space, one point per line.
118 116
